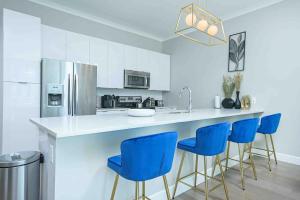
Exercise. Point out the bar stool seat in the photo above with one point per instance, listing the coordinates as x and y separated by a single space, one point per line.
144 158
187 145
115 163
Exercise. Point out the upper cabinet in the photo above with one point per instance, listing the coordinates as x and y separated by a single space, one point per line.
116 65
54 43
99 57
160 72
111 58
78 48
21 47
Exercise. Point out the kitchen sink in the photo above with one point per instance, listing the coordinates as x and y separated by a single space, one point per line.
179 112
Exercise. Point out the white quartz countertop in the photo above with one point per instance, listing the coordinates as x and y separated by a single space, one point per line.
61 127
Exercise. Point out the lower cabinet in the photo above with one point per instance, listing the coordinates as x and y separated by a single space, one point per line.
21 101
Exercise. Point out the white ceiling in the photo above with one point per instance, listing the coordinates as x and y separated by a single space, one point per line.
152 18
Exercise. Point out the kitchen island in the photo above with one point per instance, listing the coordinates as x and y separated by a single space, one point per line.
76 150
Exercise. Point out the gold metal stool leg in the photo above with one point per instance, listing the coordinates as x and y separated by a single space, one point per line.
167 188
222 176
143 191
214 169
205 176
137 193
178 175
227 156
275 157
268 152
251 160
241 155
196 171
114 187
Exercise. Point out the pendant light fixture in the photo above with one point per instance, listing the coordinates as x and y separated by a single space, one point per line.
201 26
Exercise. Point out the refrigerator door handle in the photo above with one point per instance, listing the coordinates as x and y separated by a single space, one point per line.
75 95
69 97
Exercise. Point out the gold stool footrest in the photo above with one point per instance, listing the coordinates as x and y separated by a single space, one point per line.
196 188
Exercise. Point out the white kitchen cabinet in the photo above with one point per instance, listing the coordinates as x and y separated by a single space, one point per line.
54 43
160 71
99 57
78 48
144 60
21 101
131 58
116 65
21 47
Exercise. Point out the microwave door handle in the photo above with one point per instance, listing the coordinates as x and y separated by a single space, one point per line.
146 81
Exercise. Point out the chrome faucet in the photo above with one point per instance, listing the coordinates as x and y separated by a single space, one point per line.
190 97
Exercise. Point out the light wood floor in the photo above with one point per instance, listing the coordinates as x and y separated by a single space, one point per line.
283 183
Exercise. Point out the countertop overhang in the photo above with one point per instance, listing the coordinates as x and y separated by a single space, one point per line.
61 127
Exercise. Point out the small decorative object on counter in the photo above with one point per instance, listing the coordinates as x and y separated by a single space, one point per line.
246 102
238 80
217 102
228 88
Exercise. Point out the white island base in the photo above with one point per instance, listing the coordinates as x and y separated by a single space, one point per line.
76 151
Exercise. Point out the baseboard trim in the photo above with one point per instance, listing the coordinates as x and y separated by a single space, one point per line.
282 157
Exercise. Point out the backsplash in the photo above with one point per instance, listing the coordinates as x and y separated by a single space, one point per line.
157 95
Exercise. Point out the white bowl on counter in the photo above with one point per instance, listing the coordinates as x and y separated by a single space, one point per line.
141 112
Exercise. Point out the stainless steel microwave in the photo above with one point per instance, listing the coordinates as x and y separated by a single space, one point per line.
136 79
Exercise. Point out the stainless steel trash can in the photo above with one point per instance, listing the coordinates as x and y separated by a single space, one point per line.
20 176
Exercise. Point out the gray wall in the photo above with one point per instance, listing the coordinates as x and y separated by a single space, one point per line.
271 74
77 24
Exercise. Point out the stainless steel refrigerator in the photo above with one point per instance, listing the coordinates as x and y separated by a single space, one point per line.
67 88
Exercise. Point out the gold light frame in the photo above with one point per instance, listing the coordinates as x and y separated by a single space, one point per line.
182 29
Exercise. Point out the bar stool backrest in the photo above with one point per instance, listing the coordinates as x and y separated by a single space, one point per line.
148 157
244 131
269 124
211 140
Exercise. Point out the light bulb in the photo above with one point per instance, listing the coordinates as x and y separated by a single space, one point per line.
190 19
202 25
212 30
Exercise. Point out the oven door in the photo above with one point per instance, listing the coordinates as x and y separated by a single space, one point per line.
135 79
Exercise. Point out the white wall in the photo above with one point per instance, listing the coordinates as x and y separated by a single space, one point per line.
272 67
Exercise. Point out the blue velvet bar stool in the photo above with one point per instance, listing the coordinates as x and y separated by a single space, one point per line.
143 159
209 141
268 126
243 133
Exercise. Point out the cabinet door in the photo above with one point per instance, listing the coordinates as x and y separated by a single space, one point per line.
99 57
78 48
20 103
144 60
116 65
54 43
164 71
21 47
130 58
160 72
